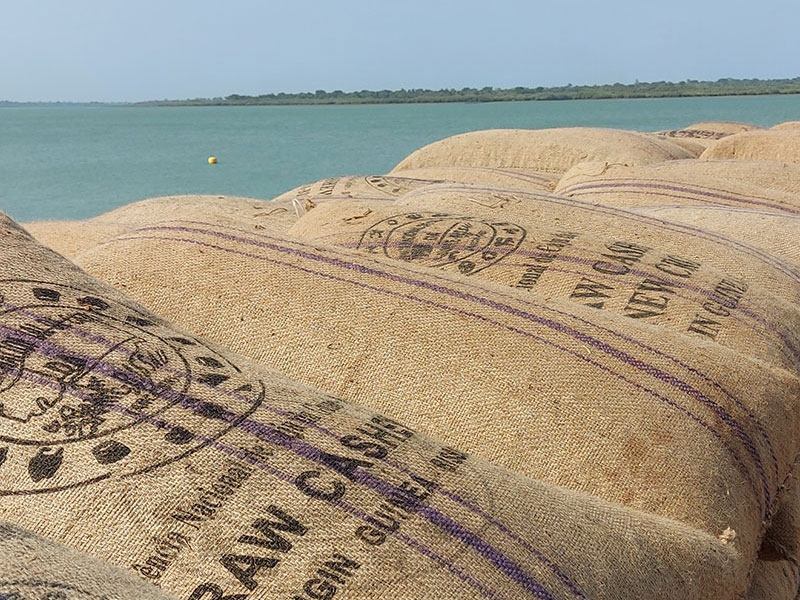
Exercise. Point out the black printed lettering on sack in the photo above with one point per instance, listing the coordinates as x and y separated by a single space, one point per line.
102 389
622 257
649 299
391 512
45 328
449 459
593 291
723 299
696 133
201 507
258 551
677 266
303 192
377 437
166 549
211 498
530 276
395 186
328 579
327 186
705 326
327 486
310 414
538 264
13 353
211 591
461 243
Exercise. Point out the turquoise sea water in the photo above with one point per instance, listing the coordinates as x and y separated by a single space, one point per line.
70 162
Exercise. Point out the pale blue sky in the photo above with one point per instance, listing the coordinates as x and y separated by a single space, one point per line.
126 50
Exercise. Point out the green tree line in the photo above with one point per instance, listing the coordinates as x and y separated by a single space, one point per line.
657 89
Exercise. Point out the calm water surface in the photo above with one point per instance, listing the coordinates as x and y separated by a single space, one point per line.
70 162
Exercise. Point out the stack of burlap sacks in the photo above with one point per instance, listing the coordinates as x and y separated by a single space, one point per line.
552 364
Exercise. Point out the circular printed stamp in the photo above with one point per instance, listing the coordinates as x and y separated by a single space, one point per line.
440 240
90 388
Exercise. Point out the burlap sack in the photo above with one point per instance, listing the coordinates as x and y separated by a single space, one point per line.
526 179
776 233
32 568
706 133
761 268
783 537
758 185
547 150
69 238
781 145
761 175
468 360
368 187
215 478
776 575
347 225
787 125
609 270
775 580
692 146
72 237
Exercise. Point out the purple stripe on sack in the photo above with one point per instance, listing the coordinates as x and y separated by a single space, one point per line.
259 430
674 194
504 529
792 348
488 593
343 196
432 515
623 357
573 204
364 516
215 443
511 569
651 210
520 253
529 175
51 349
646 185
435 287
360 514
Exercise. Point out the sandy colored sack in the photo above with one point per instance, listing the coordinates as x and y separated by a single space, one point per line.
552 389
213 477
706 133
787 125
525 179
367 187
773 232
756 185
610 270
33 568
546 150
69 238
781 145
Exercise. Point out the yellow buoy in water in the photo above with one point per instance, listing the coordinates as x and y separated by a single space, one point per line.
212 160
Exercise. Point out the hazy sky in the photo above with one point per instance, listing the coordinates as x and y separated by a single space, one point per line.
127 50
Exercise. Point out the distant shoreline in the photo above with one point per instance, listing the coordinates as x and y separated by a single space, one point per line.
659 89
690 88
